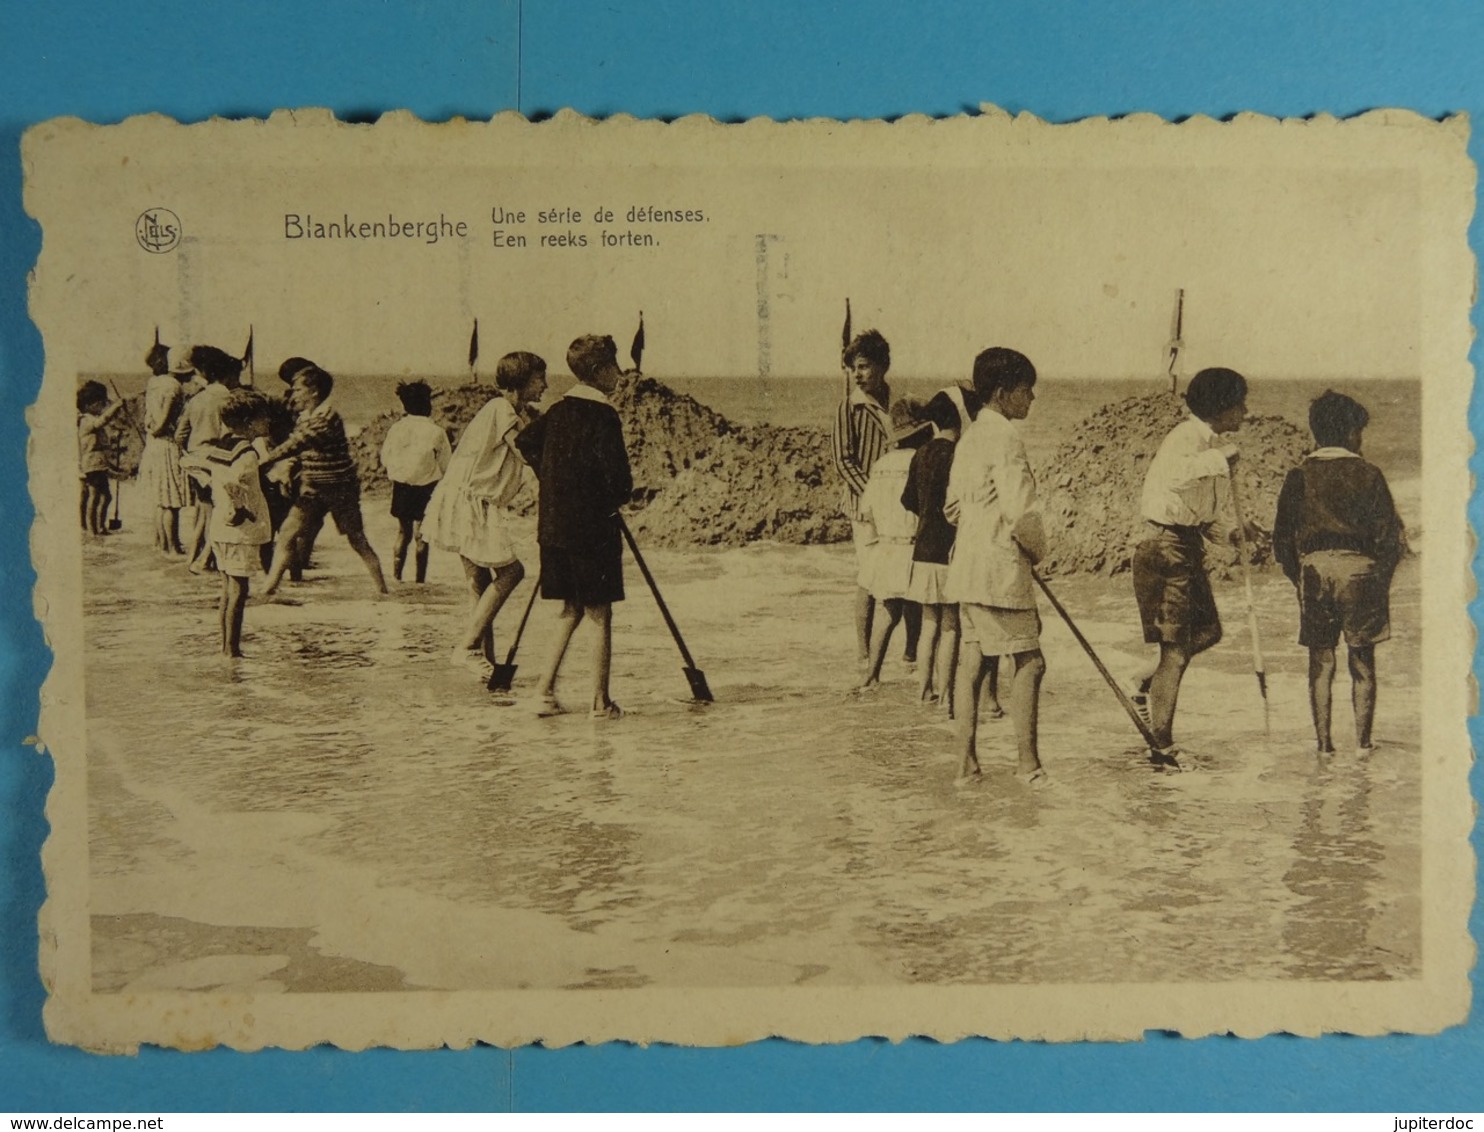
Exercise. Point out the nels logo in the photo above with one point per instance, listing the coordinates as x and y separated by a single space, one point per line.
157 230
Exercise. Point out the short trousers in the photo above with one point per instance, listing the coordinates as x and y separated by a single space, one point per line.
590 575
1176 605
999 631
410 501
98 481
239 559
342 501
1341 591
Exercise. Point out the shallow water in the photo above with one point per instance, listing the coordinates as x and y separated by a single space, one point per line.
346 810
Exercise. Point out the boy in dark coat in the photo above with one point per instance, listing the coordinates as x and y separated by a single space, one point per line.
577 452
1338 538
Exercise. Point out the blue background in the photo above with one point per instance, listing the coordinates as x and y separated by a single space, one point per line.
786 59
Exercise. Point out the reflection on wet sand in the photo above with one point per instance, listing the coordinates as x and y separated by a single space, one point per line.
345 810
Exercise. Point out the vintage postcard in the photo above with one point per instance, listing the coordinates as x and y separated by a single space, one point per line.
683 582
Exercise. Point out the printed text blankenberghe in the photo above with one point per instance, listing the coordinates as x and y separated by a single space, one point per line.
306 226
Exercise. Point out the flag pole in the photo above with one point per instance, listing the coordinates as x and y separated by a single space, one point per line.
845 379
474 353
636 351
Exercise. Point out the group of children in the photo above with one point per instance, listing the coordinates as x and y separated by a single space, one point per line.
264 474
945 517
941 495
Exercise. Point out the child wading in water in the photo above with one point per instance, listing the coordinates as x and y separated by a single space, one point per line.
328 482
577 451
1339 539
992 498
467 513
93 414
886 566
1185 499
159 465
415 455
924 496
239 517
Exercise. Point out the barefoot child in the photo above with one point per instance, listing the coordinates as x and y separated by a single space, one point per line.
200 423
328 483
415 455
1338 538
924 495
159 465
862 434
1184 502
992 498
577 452
93 414
239 517
886 570
468 510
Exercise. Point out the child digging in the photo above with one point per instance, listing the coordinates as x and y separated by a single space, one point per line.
93 414
1339 539
240 526
1183 503
886 569
328 484
415 455
992 498
577 452
468 512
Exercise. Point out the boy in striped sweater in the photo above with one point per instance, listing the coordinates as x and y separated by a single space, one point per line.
328 484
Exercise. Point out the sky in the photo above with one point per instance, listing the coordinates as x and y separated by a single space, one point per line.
1072 254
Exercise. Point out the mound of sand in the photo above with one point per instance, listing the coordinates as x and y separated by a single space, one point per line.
702 480
699 479
1090 486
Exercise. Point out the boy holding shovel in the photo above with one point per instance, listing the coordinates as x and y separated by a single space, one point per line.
577 452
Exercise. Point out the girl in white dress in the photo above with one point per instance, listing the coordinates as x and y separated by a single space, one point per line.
468 512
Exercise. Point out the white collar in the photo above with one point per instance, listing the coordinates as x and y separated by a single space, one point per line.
1206 432
323 409
584 392
1333 452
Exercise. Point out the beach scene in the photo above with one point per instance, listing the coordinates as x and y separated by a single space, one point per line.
343 810
377 826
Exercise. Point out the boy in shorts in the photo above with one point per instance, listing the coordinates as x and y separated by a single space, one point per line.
1184 502
992 500
415 455
328 484
577 452
1338 538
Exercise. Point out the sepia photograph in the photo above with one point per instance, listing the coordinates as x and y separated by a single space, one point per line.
684 582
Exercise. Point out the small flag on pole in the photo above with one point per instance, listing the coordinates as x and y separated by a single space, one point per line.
636 351
247 357
474 346
845 333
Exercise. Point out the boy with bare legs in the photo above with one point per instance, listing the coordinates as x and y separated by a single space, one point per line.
577 452
1184 502
992 499
328 485
1338 538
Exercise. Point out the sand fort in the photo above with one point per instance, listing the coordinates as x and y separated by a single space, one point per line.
702 480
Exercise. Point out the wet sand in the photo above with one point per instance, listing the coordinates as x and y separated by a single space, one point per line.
344 810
